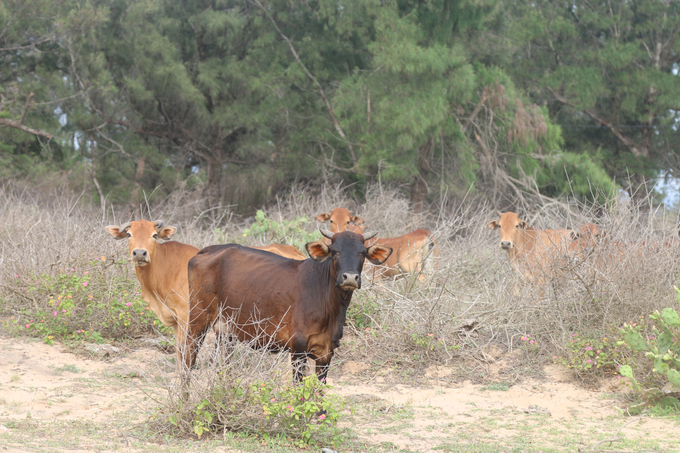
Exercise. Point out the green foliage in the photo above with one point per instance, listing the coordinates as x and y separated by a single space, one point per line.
80 305
593 354
285 231
662 347
304 412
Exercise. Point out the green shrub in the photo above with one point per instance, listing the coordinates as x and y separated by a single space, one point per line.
305 412
662 347
284 232
94 302
593 354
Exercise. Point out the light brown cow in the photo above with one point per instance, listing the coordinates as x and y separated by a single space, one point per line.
161 269
286 251
341 220
532 251
410 250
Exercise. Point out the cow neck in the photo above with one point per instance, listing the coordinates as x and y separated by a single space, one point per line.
524 242
338 297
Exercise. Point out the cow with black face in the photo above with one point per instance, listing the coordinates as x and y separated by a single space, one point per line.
279 303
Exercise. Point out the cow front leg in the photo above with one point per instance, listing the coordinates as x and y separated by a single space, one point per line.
299 362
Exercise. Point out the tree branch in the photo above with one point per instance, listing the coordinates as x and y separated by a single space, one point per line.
18 125
637 152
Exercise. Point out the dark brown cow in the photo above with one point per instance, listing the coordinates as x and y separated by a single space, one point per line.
410 250
280 303
161 269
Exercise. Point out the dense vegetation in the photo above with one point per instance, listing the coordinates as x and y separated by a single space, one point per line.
238 99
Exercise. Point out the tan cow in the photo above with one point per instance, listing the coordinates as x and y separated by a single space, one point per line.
161 269
410 250
286 251
533 251
341 220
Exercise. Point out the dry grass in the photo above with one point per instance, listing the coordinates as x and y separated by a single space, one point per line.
405 318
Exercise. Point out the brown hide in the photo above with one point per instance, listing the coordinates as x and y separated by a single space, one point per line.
409 253
280 303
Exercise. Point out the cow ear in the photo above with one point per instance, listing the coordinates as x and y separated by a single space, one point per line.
378 254
493 224
523 224
323 217
356 220
574 235
318 251
114 230
166 232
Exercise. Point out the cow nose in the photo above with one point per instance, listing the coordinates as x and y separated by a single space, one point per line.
505 244
351 279
139 254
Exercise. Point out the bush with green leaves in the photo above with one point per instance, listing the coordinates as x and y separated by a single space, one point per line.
592 354
291 232
95 301
662 347
238 388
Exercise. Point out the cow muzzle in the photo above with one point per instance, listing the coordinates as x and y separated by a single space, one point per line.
140 257
506 245
350 281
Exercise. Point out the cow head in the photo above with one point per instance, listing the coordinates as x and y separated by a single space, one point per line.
509 225
348 252
142 236
341 220
586 238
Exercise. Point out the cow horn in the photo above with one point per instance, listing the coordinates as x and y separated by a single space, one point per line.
326 233
158 224
370 235
124 227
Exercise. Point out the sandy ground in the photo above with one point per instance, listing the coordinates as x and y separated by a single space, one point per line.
50 386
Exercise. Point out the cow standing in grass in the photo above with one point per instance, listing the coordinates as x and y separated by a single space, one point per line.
279 303
411 251
161 269
533 252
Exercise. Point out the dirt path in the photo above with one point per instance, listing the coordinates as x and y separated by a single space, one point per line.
53 400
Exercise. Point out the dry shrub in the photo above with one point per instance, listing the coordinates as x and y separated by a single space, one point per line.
61 276
471 298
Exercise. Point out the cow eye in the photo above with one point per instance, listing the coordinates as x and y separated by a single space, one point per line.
128 235
331 221
155 236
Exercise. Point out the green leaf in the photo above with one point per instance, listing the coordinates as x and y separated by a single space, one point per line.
626 371
671 317
664 342
674 377
635 341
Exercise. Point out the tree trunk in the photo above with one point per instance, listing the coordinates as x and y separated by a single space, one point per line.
419 189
